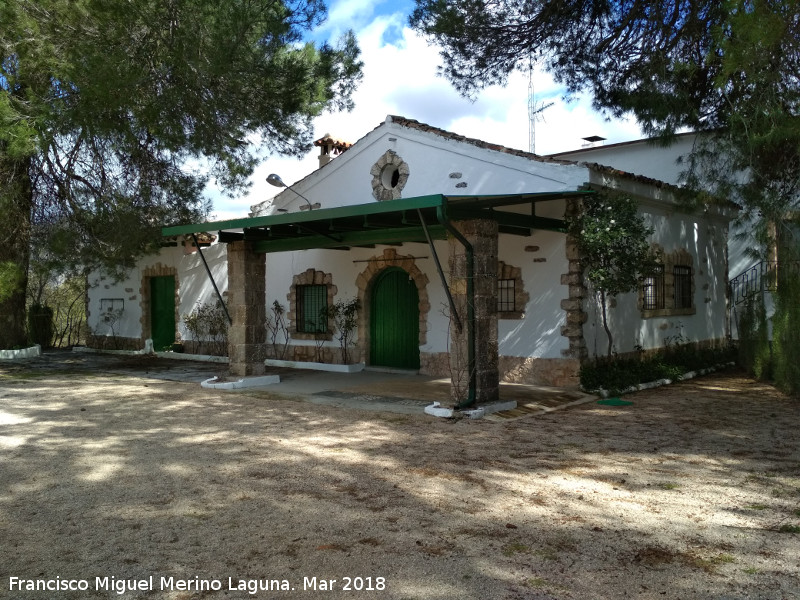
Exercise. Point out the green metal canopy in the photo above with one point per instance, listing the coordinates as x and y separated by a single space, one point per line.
391 222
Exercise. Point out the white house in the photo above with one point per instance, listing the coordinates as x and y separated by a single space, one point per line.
458 252
746 271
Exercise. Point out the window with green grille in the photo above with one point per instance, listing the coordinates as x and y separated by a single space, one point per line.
312 307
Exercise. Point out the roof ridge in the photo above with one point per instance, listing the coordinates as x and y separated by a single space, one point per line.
414 124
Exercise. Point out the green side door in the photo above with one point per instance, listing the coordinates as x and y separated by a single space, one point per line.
162 312
394 321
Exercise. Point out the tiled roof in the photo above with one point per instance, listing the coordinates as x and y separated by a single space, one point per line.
337 143
627 175
412 124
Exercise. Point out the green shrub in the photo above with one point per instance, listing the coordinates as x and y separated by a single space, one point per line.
754 347
786 335
618 374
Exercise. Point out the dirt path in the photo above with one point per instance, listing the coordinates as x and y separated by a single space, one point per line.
691 492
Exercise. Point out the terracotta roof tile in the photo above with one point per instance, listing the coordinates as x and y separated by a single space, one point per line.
337 143
413 124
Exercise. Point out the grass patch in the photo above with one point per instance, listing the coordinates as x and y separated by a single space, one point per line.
750 570
547 554
516 548
669 485
725 558
789 528
709 565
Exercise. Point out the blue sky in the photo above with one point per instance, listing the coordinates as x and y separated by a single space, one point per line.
400 77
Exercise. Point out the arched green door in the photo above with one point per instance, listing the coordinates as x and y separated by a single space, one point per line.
394 321
162 312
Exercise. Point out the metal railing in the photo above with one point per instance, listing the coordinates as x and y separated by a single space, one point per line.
758 278
761 277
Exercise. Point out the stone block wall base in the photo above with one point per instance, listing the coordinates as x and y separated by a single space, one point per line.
246 359
325 354
434 364
555 372
107 342
206 348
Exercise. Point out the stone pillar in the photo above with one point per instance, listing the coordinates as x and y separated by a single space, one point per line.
573 306
482 234
247 335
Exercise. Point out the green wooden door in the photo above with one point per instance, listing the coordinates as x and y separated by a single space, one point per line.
162 312
394 321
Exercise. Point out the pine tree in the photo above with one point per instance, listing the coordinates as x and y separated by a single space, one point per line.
113 116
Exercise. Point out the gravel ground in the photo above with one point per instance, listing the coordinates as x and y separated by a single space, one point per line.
116 481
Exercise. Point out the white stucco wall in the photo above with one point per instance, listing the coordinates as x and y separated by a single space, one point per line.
667 164
640 157
345 267
705 240
194 286
538 334
191 279
431 160
448 166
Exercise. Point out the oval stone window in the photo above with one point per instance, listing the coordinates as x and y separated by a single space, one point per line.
389 176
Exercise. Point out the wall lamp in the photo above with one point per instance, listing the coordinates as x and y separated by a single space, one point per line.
276 180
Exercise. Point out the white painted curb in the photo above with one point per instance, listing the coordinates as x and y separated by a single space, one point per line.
195 357
242 383
31 352
315 366
436 410
169 355
660 382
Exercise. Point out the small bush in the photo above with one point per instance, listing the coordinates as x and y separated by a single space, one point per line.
277 331
208 325
345 320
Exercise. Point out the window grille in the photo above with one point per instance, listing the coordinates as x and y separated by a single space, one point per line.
506 295
653 289
682 278
312 305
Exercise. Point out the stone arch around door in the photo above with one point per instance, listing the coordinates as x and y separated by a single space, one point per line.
157 270
366 280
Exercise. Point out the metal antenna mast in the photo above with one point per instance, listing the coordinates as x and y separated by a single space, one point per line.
533 110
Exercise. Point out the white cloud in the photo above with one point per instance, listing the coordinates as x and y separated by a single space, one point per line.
400 77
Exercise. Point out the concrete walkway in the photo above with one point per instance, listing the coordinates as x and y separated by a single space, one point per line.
397 392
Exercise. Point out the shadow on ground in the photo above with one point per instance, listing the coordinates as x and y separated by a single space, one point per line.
693 491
